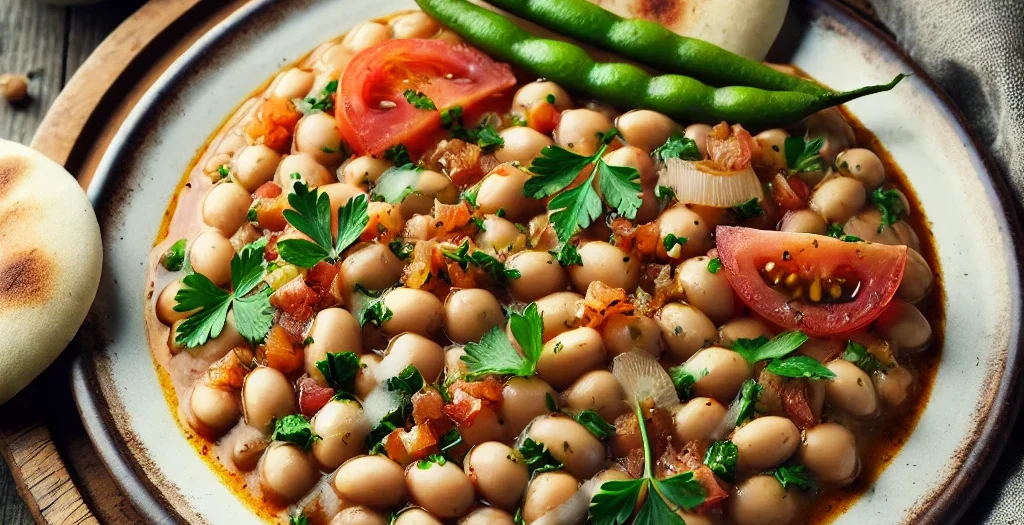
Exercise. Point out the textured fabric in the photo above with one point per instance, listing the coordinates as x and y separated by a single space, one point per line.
975 50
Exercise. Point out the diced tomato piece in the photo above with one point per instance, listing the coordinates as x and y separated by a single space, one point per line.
312 395
450 217
790 193
716 494
270 213
404 447
273 123
427 405
280 351
295 298
268 190
463 409
460 160
229 372
385 222
543 116
323 279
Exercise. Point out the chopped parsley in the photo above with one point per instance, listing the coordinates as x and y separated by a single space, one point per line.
678 147
419 100
397 155
323 102
494 353
250 300
568 255
748 210
664 193
537 457
396 183
402 250
714 265
340 369
672 240
174 258
550 98
804 154
890 204
490 265
596 424
450 440
796 475
721 458
684 380
835 230
294 429
800 366
431 460
763 349
374 312
405 384
858 354
577 208
750 394
223 170
484 135
311 215
298 519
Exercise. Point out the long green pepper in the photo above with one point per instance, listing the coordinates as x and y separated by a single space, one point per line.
652 44
625 85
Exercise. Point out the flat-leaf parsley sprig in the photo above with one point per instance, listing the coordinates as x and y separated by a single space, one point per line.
253 313
494 353
575 209
311 215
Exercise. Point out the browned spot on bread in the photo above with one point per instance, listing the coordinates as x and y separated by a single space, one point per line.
26 279
665 12
12 168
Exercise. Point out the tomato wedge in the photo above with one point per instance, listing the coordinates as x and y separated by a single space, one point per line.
817 284
373 113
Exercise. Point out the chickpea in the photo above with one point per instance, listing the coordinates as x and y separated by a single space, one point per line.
213 409
623 333
502 189
803 221
371 265
366 378
765 442
364 36
893 384
522 145
684 329
266 395
165 303
905 326
540 275
697 419
524 399
413 25
547 492
645 129
333 330
317 135
499 478
358 515
430 185
761 500
699 134
851 389
487 516
365 169
415 516
255 165
226 206
863 166
709 292
342 428
304 168
829 450
558 312
773 149
579 130
598 391
412 349
374 481
838 199
286 473
569 355
413 310
471 313
540 91
443 490
917 278
726 372
210 255
294 83
742 328
683 222
500 236
570 443
606 263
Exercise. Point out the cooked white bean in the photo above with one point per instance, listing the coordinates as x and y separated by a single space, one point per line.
645 129
471 313
917 278
829 450
413 349
342 428
255 165
765 442
579 130
838 199
624 333
697 419
430 185
500 236
500 479
444 490
599 391
699 134
726 372
761 500
558 311
569 355
742 328
365 36
803 221
540 91
546 492
165 303
570 443
286 472
862 165
893 384
413 310
371 265
684 329
266 395
415 516
301 167
334 330
358 515
374 481
226 206
366 378
683 223
522 145
710 292
317 135
606 263
294 83
210 254
773 148
487 516
524 399
365 169
502 189
905 325
851 390
214 410
540 275
413 25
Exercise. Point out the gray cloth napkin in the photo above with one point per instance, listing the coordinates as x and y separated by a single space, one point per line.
975 50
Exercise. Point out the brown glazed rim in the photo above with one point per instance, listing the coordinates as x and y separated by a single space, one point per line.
945 505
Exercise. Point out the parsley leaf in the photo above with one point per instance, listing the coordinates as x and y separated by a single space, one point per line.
684 380
804 154
402 250
858 354
800 366
340 369
375 313
397 155
596 424
672 240
295 429
553 170
714 265
568 255
721 458
748 210
795 475
450 440
484 135
762 349
419 100
253 313
620 186
890 204
664 193
538 458
614 503
750 394
405 384
174 258
298 519
397 183
490 265
323 102
678 147
494 354
311 215
835 230
682 489
576 209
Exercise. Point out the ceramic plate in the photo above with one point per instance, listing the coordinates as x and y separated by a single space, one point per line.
929 481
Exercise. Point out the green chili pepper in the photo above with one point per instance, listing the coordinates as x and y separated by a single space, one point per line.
625 85
652 44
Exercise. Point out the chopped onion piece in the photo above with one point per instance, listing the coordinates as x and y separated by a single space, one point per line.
575 509
700 183
729 420
643 378
379 403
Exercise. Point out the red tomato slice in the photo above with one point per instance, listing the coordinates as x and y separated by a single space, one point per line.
871 272
449 74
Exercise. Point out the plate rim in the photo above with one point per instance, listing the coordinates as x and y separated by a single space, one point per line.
945 505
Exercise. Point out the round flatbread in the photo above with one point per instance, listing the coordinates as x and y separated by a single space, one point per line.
50 263
745 27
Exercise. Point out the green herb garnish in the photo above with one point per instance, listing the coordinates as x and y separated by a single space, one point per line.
596 424
429 461
800 366
672 240
684 380
678 147
835 230
803 155
323 102
568 255
419 100
298 519
396 183
340 369
750 394
890 204
714 265
762 349
494 353
174 258
484 135
858 354
405 384
537 457
490 265
721 458
795 475
402 250
295 429
311 215
748 210
397 155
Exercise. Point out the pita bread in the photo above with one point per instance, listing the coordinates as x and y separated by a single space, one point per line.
745 27
50 263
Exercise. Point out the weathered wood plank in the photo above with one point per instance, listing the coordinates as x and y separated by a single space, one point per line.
89 25
31 40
